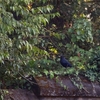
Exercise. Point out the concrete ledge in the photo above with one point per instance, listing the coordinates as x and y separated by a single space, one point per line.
19 94
52 90
49 87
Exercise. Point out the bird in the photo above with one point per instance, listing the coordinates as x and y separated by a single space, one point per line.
64 62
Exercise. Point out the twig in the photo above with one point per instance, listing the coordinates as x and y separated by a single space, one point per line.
85 90
81 83
93 88
27 79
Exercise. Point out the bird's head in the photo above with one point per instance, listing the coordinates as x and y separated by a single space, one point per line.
61 57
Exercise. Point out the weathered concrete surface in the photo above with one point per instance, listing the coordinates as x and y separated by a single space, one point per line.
49 87
20 94
69 98
52 90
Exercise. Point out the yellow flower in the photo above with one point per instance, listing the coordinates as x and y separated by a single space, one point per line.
29 6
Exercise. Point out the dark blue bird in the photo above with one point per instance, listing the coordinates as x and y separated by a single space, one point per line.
64 62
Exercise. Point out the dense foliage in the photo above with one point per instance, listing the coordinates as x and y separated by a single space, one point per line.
34 33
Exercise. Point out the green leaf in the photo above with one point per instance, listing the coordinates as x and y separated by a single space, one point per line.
51 74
